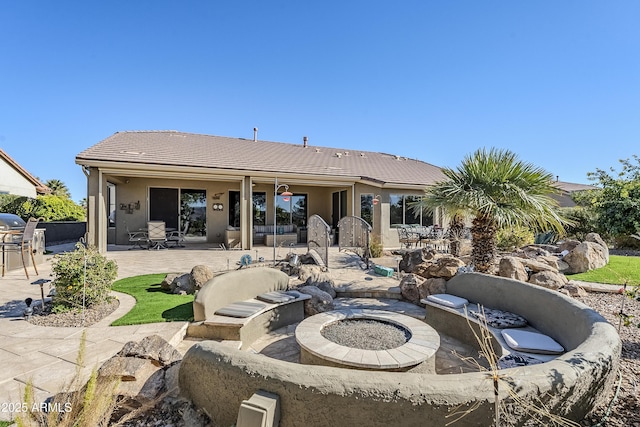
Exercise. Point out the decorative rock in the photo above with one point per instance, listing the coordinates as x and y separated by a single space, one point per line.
432 286
512 267
168 280
412 259
568 245
548 279
171 380
182 284
307 271
533 251
409 287
154 348
313 275
595 238
573 290
587 256
537 266
445 266
319 302
200 274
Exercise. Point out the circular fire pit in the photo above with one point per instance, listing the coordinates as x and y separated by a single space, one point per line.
416 353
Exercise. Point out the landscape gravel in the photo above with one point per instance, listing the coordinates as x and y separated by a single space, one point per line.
623 409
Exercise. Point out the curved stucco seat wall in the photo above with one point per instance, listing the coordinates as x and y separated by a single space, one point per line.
218 378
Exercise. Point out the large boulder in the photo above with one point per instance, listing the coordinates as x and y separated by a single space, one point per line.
140 368
200 274
412 259
433 285
595 238
587 256
568 245
444 266
410 287
314 275
319 302
182 284
549 279
168 281
513 268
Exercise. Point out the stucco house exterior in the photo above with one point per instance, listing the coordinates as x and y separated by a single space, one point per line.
224 187
14 179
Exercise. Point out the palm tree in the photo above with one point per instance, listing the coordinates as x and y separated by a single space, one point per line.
497 190
58 188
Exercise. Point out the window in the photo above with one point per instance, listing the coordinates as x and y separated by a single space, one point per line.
234 208
401 213
111 204
292 210
366 208
259 208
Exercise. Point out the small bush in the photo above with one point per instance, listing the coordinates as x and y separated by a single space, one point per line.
375 246
512 238
70 270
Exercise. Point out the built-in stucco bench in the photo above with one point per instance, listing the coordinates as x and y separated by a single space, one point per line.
515 339
245 304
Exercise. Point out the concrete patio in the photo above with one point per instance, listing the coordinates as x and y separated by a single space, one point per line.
46 356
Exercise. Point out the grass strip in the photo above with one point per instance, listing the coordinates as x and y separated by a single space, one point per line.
620 269
153 304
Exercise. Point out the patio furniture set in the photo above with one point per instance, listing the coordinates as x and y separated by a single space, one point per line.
430 236
157 236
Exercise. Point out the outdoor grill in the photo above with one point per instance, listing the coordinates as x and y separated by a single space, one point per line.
13 259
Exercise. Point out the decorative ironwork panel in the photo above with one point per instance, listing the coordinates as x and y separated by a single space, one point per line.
354 236
318 237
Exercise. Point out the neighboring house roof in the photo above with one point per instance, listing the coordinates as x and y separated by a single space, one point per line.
238 154
40 187
570 187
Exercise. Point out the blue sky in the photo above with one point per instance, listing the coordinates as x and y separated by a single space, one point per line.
557 82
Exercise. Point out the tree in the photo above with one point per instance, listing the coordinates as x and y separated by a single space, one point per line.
497 190
617 202
58 188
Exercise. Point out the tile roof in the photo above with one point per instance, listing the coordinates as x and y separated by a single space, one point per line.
570 187
40 187
174 148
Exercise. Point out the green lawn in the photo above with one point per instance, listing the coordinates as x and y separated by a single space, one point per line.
153 304
5 423
620 269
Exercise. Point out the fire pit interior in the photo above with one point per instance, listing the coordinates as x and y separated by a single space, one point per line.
368 339
366 334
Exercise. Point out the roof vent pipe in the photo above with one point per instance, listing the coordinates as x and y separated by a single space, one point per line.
305 140
255 134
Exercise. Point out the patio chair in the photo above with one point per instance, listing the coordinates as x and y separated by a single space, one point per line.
157 235
21 241
177 237
406 237
137 238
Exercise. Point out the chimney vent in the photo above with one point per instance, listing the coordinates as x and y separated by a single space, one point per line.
305 141
255 134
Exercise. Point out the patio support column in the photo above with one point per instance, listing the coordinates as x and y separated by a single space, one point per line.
96 234
246 217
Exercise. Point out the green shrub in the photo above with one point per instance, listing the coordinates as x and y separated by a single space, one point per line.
49 208
70 270
584 221
515 237
375 247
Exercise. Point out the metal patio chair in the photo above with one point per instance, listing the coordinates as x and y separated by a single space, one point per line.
156 235
21 241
